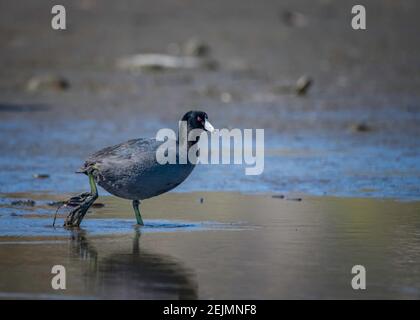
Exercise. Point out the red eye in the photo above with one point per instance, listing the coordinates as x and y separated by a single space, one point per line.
199 119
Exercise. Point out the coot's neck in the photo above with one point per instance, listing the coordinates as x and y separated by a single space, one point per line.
182 138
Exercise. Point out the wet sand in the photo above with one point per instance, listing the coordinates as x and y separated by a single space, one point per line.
258 247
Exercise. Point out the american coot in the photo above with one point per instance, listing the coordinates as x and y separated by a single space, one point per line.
130 170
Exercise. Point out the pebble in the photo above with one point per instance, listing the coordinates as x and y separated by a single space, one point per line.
28 203
360 127
41 176
197 48
47 82
278 196
294 199
303 84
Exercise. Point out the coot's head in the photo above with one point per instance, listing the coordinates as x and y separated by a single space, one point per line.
197 120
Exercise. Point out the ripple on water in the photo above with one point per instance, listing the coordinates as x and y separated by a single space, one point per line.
26 227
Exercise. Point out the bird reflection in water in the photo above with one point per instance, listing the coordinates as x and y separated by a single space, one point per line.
137 275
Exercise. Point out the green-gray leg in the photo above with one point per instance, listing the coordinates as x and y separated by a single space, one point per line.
82 203
93 189
136 204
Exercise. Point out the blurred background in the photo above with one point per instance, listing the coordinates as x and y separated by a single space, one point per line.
340 107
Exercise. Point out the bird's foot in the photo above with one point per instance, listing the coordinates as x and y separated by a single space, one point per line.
81 204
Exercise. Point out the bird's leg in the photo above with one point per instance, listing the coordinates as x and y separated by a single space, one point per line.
82 203
136 204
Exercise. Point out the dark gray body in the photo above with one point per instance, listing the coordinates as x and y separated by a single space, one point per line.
129 170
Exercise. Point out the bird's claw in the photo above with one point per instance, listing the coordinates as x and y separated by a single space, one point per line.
80 204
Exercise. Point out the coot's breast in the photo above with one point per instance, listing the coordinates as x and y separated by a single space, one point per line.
131 171
144 182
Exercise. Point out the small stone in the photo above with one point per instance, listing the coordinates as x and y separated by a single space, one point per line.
41 176
159 62
197 48
360 127
303 84
294 199
47 82
28 203
201 200
278 196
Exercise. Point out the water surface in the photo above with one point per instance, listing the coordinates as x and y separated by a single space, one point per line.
254 247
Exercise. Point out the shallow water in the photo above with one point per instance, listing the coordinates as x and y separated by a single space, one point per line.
27 227
230 246
343 165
